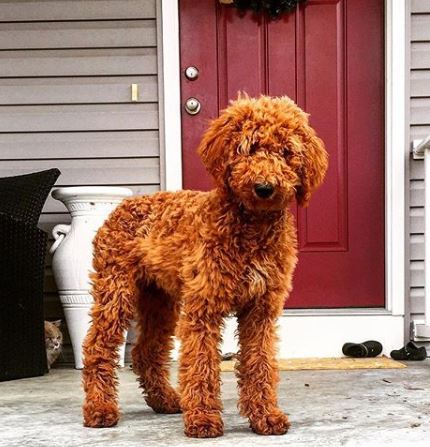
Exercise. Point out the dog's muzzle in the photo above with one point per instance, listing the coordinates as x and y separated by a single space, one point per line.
264 190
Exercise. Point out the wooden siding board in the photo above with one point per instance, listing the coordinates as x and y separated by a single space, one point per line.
88 62
416 216
78 117
91 171
80 90
417 300
420 55
47 145
420 83
420 24
417 170
417 273
417 251
66 69
420 111
39 35
420 6
419 132
419 128
14 11
416 193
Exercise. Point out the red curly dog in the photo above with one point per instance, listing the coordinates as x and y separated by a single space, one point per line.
188 259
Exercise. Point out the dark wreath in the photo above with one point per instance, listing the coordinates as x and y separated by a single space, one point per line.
274 8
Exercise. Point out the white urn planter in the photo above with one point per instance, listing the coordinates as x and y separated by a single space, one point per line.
72 251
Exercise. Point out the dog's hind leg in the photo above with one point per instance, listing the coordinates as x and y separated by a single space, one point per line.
157 314
114 295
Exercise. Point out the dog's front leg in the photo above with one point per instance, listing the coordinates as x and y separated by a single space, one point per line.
199 373
258 370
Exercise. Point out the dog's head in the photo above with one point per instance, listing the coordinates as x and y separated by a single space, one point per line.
264 152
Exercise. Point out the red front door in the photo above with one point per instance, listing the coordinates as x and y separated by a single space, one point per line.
329 57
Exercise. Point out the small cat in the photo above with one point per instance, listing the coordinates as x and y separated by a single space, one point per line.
53 341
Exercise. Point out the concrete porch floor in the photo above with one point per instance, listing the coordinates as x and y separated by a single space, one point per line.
327 408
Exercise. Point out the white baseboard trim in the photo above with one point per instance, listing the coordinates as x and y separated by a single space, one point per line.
302 335
324 335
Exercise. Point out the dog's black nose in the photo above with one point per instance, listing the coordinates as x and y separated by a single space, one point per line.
263 190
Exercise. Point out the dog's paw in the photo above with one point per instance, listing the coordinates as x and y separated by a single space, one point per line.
203 424
100 414
166 403
274 423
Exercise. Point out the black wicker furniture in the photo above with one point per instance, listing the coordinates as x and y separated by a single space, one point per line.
22 261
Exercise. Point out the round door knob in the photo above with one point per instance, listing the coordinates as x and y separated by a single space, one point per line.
192 106
192 73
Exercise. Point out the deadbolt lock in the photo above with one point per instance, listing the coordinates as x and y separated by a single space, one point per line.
191 73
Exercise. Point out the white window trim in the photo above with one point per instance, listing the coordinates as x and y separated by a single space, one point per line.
395 166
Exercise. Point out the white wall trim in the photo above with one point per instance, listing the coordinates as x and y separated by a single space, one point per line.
170 94
324 335
396 154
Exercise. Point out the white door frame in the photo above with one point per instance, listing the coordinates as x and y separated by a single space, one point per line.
330 328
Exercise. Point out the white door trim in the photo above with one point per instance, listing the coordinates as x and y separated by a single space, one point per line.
395 174
396 154
169 88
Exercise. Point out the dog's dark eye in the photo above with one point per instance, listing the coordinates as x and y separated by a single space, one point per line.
253 148
286 152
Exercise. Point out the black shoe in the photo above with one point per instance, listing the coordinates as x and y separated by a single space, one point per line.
374 348
370 348
409 352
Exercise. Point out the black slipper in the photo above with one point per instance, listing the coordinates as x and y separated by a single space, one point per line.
356 350
374 348
409 352
370 348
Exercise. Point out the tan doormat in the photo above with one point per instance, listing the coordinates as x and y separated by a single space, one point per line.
329 363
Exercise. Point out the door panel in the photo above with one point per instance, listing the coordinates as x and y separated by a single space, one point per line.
329 57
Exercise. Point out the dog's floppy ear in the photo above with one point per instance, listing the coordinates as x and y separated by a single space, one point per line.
215 146
313 167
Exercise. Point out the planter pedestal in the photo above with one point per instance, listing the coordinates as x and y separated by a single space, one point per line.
73 252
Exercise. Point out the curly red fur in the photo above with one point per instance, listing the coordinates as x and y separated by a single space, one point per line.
188 259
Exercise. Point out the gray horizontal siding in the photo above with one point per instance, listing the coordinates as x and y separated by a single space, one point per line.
420 83
66 69
79 90
38 10
419 128
417 274
417 300
98 171
420 55
417 170
420 6
417 131
417 193
115 33
61 118
417 247
419 27
46 145
420 111
416 216
78 62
